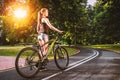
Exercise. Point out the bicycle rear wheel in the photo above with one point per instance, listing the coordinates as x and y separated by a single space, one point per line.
26 61
61 58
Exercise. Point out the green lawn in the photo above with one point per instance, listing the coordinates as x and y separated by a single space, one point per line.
111 47
10 50
13 50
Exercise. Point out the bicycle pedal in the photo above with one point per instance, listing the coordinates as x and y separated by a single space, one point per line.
42 68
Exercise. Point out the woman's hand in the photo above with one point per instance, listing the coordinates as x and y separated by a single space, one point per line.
61 32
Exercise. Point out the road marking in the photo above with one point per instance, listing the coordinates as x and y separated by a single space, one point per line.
75 64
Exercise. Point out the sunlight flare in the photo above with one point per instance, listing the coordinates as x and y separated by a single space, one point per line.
20 13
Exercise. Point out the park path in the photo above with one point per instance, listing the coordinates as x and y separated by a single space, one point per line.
6 62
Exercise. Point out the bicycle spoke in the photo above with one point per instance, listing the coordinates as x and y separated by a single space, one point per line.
26 62
61 58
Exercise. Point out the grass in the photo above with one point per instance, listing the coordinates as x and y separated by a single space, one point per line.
111 47
13 50
10 50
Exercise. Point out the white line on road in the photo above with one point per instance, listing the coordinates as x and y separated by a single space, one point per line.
75 64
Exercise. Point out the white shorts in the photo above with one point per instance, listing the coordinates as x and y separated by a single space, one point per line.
42 36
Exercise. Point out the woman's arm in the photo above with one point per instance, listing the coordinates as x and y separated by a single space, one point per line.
46 20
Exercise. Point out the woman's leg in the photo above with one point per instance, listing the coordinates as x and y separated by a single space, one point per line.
46 45
43 39
46 39
41 42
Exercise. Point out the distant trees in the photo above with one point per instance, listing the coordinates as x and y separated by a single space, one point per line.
65 15
68 15
83 24
106 22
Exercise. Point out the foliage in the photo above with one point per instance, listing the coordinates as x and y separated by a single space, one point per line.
68 16
65 15
106 22
83 24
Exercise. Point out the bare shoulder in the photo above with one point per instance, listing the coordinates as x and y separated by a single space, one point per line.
45 20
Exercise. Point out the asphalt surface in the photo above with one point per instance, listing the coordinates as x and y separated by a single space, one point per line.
104 66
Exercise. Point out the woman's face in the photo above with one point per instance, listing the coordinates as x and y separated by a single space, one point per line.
46 13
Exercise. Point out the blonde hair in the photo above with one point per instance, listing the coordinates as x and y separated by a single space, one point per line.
41 13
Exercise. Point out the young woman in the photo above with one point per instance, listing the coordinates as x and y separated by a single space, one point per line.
43 26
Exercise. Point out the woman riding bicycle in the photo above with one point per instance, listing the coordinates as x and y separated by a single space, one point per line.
28 61
43 26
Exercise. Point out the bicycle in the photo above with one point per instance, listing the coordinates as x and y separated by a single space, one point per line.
30 59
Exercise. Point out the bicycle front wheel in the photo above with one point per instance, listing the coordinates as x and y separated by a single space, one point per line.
26 61
61 58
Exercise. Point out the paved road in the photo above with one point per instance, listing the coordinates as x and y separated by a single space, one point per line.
6 62
90 66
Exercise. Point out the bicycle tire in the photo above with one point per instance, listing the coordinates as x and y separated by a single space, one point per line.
25 62
61 58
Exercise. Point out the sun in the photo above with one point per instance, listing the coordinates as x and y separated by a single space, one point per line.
20 13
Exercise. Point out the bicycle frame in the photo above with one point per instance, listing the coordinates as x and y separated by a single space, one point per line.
35 61
53 41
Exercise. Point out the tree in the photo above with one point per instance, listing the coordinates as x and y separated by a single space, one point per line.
67 15
107 21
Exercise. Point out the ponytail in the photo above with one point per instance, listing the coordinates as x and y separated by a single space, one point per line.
40 14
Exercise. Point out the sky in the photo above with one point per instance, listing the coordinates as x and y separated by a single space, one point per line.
91 2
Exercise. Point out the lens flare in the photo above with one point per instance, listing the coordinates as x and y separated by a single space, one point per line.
20 13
